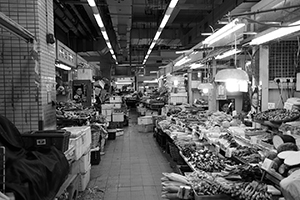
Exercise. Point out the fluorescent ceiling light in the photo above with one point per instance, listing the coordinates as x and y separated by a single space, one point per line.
164 21
276 33
91 3
123 83
153 72
157 35
63 66
228 53
112 52
109 45
173 3
197 65
151 81
182 61
99 20
206 34
224 31
105 36
152 45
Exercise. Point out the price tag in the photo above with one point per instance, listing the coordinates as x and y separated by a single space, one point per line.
228 153
217 148
267 164
253 140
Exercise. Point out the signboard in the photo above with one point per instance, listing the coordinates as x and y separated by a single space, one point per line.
80 60
221 91
65 54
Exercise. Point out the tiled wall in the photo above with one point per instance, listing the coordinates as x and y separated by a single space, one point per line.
22 100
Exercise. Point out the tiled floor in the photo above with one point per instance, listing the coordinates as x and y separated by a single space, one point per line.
132 167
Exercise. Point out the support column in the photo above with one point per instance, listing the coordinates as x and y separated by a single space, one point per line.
212 96
27 71
190 93
264 76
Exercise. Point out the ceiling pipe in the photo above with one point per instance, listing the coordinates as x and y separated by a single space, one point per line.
67 21
68 18
82 21
61 25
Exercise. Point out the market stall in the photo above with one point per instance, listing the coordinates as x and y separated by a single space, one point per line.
219 157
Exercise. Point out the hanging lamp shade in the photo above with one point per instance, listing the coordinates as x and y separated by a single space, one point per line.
237 74
202 86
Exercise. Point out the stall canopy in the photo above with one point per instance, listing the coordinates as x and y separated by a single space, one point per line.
16 29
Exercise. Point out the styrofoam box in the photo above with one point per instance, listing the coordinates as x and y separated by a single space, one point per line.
107 106
118 117
145 128
85 161
145 120
84 74
151 113
115 99
181 94
84 179
81 137
108 118
177 99
117 105
74 167
106 112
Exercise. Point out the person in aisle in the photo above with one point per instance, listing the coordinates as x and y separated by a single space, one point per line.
97 97
103 137
104 94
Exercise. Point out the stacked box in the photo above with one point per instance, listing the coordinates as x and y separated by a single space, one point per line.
84 179
81 138
85 162
145 120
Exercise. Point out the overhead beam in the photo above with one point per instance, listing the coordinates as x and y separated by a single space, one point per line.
148 33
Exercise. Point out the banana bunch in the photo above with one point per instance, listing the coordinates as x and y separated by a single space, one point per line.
249 191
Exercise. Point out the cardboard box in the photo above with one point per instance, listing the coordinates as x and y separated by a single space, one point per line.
146 120
146 128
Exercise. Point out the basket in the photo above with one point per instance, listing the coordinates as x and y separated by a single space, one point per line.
46 139
95 139
95 157
174 152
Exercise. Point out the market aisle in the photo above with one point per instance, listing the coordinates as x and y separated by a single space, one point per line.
132 167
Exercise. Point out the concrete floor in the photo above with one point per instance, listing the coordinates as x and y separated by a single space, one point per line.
132 167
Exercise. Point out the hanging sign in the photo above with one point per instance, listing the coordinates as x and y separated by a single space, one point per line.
221 91
65 54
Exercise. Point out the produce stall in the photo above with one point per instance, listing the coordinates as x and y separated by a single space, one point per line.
220 158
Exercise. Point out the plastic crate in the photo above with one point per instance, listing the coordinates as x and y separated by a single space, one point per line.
118 117
112 134
95 157
45 139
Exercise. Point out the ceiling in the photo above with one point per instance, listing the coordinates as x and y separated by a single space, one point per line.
132 24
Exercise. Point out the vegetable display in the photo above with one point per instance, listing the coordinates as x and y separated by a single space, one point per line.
249 191
278 115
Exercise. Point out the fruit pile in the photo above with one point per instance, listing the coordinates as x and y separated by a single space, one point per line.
207 161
